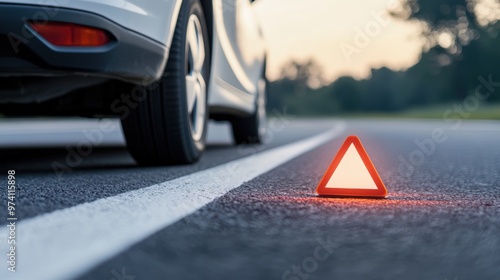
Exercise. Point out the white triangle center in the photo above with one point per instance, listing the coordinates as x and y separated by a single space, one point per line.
351 173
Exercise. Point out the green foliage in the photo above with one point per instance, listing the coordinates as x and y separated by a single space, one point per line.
446 72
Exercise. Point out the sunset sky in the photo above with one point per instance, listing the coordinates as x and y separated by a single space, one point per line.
326 30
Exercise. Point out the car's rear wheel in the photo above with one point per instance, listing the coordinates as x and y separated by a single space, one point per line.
169 125
252 129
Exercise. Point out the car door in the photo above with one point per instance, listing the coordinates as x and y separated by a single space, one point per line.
241 41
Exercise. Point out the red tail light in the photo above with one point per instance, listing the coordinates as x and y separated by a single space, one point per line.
71 35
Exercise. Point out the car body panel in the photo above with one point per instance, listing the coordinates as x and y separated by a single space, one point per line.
238 57
238 50
152 18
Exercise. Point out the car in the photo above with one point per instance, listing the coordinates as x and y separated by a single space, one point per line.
164 67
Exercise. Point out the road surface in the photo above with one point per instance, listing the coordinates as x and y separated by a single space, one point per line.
251 212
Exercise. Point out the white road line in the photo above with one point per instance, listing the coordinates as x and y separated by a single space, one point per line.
66 243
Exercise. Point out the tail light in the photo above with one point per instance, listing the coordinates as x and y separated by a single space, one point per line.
71 35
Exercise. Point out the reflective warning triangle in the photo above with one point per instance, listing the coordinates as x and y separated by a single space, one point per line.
351 173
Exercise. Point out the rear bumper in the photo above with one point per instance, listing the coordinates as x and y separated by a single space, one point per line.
23 53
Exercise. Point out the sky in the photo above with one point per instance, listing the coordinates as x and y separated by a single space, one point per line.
346 37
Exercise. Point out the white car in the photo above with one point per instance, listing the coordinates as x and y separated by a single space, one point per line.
163 66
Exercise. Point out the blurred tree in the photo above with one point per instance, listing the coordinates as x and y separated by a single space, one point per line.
461 44
458 35
296 85
347 91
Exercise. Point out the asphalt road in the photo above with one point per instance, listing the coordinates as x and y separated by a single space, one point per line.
441 219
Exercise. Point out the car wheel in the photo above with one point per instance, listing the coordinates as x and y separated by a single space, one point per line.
169 125
252 129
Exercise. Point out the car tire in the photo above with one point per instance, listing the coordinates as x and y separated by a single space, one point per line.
252 129
169 125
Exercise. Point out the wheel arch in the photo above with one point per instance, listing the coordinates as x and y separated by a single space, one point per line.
209 17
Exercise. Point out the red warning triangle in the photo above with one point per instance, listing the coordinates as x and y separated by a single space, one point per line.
351 173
